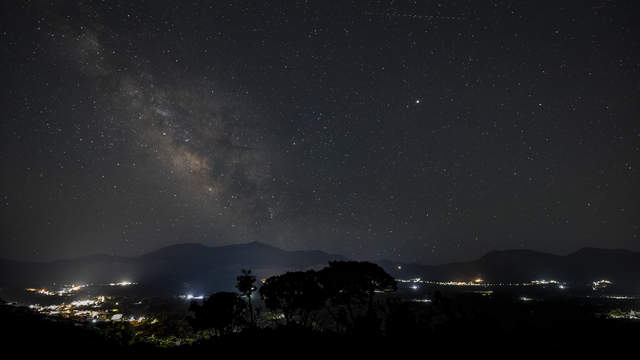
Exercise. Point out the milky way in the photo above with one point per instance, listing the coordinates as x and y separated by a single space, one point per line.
420 131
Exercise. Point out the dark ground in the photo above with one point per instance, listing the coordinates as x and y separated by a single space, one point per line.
469 324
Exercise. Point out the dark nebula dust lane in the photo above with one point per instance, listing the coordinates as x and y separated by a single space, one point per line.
414 131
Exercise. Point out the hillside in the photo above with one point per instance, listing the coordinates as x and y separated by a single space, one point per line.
171 269
579 268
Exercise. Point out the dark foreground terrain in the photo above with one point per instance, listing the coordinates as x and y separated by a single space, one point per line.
345 306
461 322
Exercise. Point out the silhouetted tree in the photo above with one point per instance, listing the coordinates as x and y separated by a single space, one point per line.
221 311
401 321
295 294
351 285
246 286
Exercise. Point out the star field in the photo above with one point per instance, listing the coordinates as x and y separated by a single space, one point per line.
426 131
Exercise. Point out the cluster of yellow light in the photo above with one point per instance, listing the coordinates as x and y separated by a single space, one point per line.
75 308
87 302
138 320
41 291
74 288
65 291
70 289
618 297
90 309
545 282
461 283
600 284
481 282
415 280
631 314
65 310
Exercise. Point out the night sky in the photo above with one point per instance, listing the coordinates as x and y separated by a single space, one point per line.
425 131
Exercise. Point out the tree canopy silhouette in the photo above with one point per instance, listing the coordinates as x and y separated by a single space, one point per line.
222 311
246 286
295 294
351 285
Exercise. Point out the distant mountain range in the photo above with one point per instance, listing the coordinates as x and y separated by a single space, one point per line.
202 269
174 269
579 269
